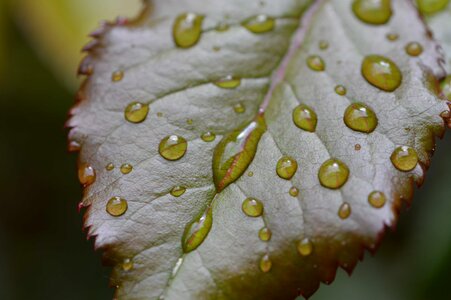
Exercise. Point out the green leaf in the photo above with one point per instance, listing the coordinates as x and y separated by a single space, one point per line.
268 148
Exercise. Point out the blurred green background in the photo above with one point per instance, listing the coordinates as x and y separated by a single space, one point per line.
43 252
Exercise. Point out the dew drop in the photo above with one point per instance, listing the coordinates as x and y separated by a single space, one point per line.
259 24
109 167
357 147
374 12
344 211
360 117
414 49
117 76
305 247
208 137
86 174
323 45
250 174
377 199
187 30
173 147
177 191
252 207
381 72
126 169
222 27
305 118
445 87
136 112
316 63
127 265
294 191
431 6
265 264
239 108
340 90
333 174
392 36
404 158
116 206
196 232
228 82
286 167
265 234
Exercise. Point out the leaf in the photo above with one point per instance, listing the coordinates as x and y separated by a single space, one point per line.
212 205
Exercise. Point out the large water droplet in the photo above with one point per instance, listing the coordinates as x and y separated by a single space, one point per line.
127 265
305 247
126 169
333 174
259 24
208 137
377 199
173 147
404 158
252 207
381 72
316 63
375 12
197 231
431 6
286 167
187 30
265 234
177 191
414 49
445 87
360 117
344 211
228 82
86 174
305 118
116 206
136 112
265 264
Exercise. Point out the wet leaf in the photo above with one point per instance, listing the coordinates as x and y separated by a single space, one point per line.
325 172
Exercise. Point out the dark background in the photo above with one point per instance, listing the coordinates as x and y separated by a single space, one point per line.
44 253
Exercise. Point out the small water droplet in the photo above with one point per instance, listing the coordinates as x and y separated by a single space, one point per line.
177 191
187 30
222 27
265 234
127 265
265 264
345 211
357 147
377 199
136 112
294 191
208 137
74 146
116 206
117 76
86 174
109 167
381 72
305 118
239 108
196 232
323 45
159 114
173 147
431 6
305 247
374 12
414 49
250 174
404 158
392 36
259 24
333 174
252 207
316 63
360 117
340 90
126 168
286 167
445 87
228 82
216 48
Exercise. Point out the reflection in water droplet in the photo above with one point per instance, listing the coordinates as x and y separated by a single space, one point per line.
323 45
445 87
239 108
286 167
404 158
208 137
109 167
377 199
86 174
431 6
187 30
375 12
173 147
252 207
305 247
414 49
228 82
127 265
340 90
333 174
316 63
265 264
196 232
177 191
345 211
136 112
294 191
117 76
360 117
259 24
305 118
265 234
126 168
392 36
116 206
381 72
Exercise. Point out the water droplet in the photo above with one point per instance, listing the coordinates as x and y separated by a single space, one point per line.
136 112
259 24
127 265
360 117
228 82
189 121
445 87
252 207
196 232
431 6
377 199
187 30
374 12
265 234
208 137
340 90
404 158
381 72
265 264
117 76
126 168
109 167
357 147
392 36
86 174
414 49
173 147
345 211
216 48
235 152
305 118
116 206
250 174
333 174
294 191
177 191
74 146
159 114
323 45
239 108
316 63
286 167
222 27
305 247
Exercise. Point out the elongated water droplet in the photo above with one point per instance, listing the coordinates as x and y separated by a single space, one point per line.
117 76
117 206
173 147
404 158
374 12
126 168
377 199
305 118
323 45
177 191
333 174
228 82
127 265
316 63
392 36
259 24
431 6
187 30
305 247
265 234
445 87
294 191
345 211
239 108
286 167
252 207
86 174
381 72
208 137
235 152
265 264
414 49
136 112
109 167
340 90
360 117
197 231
